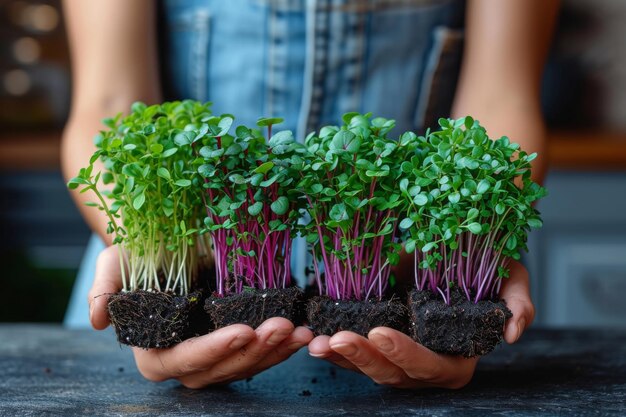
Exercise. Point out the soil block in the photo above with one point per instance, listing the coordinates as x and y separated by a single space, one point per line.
253 307
461 328
152 319
327 316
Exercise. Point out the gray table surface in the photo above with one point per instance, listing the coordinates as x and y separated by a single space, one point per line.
47 370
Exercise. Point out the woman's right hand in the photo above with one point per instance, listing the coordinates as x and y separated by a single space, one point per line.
225 355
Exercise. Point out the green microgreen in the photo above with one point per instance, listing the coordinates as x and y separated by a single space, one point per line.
151 194
252 204
353 204
469 208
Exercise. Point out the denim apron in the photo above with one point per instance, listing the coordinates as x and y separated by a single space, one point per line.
308 61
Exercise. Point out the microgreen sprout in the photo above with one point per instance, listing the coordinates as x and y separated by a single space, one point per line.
350 186
252 205
468 208
151 194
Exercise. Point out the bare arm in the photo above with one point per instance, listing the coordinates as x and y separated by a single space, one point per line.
114 63
505 51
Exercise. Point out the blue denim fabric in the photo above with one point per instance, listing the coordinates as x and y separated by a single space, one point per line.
308 61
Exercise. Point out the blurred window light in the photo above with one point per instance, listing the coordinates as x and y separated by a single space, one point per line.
16 82
40 17
26 50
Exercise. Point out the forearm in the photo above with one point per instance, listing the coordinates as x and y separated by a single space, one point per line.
112 67
519 118
500 81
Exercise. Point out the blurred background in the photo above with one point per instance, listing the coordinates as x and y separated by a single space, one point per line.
577 261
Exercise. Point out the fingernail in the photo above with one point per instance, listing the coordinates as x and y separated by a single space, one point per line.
382 342
317 355
277 336
239 341
345 349
521 325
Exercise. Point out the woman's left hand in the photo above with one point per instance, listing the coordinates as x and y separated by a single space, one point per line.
392 358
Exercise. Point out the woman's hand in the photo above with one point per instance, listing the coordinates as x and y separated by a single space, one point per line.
225 355
392 358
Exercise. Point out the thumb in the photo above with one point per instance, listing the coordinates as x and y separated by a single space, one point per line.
516 292
107 280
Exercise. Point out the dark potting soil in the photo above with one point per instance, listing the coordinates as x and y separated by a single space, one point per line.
253 307
461 328
327 316
152 319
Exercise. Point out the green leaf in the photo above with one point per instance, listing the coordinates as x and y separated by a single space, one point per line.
379 173
475 228
338 212
268 121
242 131
184 138
345 140
270 181
420 199
407 138
206 170
164 173
234 149
264 167
409 246
312 238
404 184
427 247
406 223
472 213
138 201
224 126
511 242
482 187
535 223
284 137
183 183
237 179
255 208
169 152
75 182
347 117
454 198
280 206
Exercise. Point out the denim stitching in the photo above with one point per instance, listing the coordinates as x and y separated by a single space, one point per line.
307 88
320 63
444 39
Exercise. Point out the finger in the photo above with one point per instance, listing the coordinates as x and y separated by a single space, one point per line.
107 280
299 338
268 336
516 292
193 355
320 348
368 359
420 363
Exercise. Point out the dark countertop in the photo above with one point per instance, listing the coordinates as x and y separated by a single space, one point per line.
46 370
